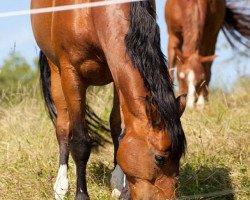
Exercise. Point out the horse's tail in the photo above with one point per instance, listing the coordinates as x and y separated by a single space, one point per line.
95 124
46 85
237 25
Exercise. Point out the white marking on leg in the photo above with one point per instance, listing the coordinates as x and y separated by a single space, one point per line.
182 75
117 181
62 183
122 119
124 181
201 101
191 90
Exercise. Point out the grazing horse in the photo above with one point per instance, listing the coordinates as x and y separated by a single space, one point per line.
193 28
95 46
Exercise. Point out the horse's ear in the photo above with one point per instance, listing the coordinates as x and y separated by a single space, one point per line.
181 103
208 58
179 55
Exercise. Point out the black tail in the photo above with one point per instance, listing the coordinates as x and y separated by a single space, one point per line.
46 85
95 124
237 24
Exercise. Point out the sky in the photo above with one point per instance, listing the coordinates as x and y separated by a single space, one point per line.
16 33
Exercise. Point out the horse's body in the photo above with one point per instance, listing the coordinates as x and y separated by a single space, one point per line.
96 46
193 28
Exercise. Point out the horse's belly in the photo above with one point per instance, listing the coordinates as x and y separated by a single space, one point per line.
95 73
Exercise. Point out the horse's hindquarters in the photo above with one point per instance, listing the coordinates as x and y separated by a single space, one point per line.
68 38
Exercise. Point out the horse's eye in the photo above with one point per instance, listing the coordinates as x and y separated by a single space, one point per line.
160 160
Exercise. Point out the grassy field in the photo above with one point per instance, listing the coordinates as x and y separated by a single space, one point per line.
218 156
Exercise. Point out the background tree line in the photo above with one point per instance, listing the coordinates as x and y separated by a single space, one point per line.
16 73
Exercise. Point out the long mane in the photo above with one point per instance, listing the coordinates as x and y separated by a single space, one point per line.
143 46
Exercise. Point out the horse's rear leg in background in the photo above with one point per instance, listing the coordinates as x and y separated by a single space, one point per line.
62 132
80 142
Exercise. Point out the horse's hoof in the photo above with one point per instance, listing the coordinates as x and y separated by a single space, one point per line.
82 196
61 187
116 193
125 194
117 179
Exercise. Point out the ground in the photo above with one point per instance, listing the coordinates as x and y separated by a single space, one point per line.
216 164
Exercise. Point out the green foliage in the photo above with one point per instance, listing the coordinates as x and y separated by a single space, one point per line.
15 73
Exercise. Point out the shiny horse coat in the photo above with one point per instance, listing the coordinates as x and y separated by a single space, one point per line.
95 46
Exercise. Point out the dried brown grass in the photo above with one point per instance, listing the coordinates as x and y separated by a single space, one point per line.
217 158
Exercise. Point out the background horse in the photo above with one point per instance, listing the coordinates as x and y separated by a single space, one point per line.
193 28
95 46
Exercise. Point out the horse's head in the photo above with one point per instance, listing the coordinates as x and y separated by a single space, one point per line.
145 155
192 74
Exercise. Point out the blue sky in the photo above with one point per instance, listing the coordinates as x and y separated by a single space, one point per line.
16 32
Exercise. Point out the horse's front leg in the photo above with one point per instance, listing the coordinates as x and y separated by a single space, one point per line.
80 142
115 126
173 44
115 123
118 179
203 88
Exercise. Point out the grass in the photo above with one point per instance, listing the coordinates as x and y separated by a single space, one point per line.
217 158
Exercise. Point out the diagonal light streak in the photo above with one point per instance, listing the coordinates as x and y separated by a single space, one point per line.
63 8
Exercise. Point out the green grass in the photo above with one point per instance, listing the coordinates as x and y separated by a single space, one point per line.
217 158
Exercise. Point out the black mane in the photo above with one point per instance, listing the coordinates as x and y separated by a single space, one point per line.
143 46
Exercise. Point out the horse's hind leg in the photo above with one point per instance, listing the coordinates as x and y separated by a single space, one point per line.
62 132
80 143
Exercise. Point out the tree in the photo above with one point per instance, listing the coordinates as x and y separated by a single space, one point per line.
15 73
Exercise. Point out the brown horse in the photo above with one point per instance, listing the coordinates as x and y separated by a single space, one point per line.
95 46
193 27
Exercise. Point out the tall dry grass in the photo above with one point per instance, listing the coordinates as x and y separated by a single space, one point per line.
217 158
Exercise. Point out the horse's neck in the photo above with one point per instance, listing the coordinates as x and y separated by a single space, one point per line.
194 17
